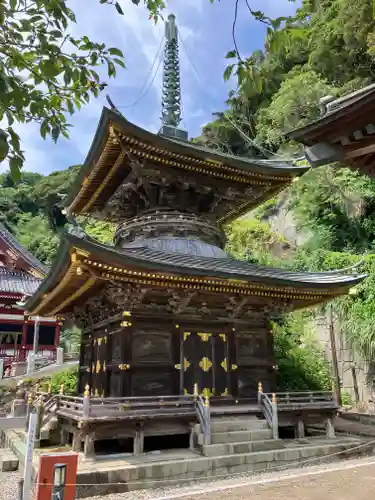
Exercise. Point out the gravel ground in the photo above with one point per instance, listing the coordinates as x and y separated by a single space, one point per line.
349 479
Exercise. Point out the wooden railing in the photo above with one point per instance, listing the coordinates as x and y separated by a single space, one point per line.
269 409
204 417
97 408
306 399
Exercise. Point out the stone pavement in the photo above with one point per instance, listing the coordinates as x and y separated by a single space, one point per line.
345 484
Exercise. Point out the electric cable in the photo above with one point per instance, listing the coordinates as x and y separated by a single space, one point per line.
144 91
252 143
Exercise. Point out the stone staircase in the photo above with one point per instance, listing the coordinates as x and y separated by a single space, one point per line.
242 434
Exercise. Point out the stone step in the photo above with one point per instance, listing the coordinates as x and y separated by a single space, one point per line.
216 450
193 468
8 460
236 424
237 436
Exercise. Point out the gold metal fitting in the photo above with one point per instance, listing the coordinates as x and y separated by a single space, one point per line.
87 391
126 324
260 387
206 401
274 399
61 389
126 313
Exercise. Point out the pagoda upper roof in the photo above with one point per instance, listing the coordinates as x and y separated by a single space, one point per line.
21 259
108 166
344 133
83 266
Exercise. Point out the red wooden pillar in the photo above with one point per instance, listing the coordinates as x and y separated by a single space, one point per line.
23 340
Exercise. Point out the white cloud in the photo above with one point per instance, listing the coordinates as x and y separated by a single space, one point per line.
206 31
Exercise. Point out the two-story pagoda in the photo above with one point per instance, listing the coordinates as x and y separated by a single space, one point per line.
165 307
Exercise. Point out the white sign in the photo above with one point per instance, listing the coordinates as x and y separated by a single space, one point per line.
28 466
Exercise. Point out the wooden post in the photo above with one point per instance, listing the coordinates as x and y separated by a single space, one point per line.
300 429
86 402
330 429
138 444
76 444
39 422
335 365
195 391
29 408
88 447
260 391
355 384
275 418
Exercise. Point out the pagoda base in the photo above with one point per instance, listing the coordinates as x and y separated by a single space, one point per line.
168 468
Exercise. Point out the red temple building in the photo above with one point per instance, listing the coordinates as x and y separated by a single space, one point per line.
20 276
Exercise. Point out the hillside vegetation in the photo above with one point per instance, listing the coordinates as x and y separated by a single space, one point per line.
332 52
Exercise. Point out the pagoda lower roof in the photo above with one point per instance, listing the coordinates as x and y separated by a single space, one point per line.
83 266
345 133
17 283
107 166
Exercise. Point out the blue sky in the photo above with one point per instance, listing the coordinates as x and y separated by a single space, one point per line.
206 30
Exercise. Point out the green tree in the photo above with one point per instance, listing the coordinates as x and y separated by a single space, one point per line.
295 104
45 72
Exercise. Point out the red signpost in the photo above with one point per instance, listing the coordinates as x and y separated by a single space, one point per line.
56 478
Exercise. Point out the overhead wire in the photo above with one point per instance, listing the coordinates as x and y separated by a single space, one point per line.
251 142
144 91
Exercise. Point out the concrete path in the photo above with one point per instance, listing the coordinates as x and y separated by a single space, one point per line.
350 480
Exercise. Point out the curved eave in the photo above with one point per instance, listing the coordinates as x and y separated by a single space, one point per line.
106 262
101 158
349 115
13 244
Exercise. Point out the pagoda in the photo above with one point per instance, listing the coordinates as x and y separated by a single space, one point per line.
345 132
20 276
165 309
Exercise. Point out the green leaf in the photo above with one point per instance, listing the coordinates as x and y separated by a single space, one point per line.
118 8
228 72
119 62
44 128
111 69
15 165
231 54
115 52
4 146
13 4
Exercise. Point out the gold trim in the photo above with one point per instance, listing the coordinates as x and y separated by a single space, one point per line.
125 324
178 367
224 364
99 341
186 335
88 284
104 366
234 368
103 185
222 283
124 367
225 393
207 393
48 297
204 336
205 364
98 366
223 336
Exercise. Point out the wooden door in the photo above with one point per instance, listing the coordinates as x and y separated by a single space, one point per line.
204 361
